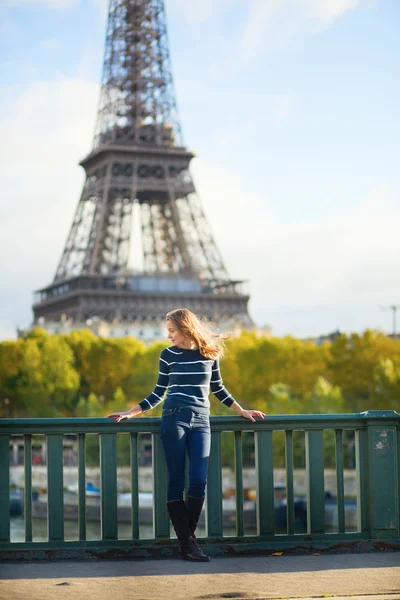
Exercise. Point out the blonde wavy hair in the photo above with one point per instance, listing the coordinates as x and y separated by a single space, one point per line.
210 344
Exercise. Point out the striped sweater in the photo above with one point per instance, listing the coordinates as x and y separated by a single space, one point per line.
184 380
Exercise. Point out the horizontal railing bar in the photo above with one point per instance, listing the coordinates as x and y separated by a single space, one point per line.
251 539
220 423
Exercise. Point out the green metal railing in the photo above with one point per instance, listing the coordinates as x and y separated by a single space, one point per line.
377 457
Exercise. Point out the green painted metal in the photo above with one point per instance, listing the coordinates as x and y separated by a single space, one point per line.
250 545
383 477
55 485
315 482
4 488
265 483
339 479
275 540
82 486
289 482
363 522
161 524
377 464
214 489
28 487
239 483
108 486
152 424
398 468
134 485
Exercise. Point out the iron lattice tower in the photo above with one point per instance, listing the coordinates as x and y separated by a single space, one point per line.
138 158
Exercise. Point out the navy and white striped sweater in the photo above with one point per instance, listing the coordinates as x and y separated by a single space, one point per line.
184 380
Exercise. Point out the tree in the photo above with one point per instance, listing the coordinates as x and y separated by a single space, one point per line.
11 357
44 379
353 366
105 364
386 393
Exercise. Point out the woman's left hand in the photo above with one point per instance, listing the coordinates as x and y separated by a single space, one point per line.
250 414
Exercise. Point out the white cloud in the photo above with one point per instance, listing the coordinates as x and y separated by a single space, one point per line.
50 44
194 11
7 30
277 22
198 11
346 261
349 260
328 10
48 128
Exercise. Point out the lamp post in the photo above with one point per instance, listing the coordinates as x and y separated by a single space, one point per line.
394 308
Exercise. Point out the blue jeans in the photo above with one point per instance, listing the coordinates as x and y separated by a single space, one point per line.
183 429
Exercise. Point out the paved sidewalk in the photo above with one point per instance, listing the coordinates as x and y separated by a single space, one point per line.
373 576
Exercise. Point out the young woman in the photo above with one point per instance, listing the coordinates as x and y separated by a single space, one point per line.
187 371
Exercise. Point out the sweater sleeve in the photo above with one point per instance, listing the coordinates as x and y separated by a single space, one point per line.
217 385
157 395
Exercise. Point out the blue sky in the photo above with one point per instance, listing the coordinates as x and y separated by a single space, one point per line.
291 107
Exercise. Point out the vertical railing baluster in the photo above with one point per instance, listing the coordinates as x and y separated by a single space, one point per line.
214 525
315 481
108 486
239 484
265 483
82 485
4 488
161 525
28 486
290 521
55 487
363 524
339 479
134 485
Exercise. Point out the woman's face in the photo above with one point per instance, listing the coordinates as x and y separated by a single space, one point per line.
174 335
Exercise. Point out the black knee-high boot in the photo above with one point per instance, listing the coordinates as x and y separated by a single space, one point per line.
189 547
194 507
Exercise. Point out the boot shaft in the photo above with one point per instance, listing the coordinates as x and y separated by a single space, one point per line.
179 518
194 507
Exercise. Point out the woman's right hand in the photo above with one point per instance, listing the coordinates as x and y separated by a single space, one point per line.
120 416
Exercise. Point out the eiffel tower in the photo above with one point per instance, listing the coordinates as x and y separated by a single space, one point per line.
139 166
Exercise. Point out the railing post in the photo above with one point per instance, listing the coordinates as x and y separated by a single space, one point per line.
383 473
